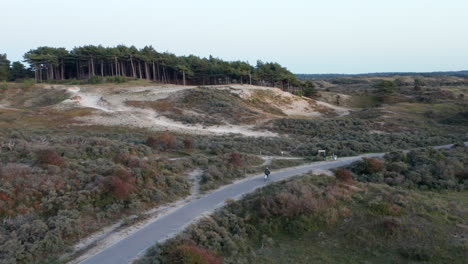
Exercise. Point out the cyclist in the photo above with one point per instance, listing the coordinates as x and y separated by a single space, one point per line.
267 173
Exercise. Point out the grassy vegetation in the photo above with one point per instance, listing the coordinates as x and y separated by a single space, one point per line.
60 181
57 186
312 218
224 169
284 163
33 98
425 169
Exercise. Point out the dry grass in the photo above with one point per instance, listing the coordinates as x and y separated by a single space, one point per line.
163 105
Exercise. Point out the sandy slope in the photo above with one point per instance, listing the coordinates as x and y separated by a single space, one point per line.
112 110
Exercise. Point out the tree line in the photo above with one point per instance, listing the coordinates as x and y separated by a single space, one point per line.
58 64
13 71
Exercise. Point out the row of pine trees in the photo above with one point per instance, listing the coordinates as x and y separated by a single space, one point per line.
84 62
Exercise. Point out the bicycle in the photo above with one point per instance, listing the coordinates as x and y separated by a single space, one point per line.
267 174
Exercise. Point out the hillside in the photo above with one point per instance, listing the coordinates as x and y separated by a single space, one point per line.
327 219
79 163
208 110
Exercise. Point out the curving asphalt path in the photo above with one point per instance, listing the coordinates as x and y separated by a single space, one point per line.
166 226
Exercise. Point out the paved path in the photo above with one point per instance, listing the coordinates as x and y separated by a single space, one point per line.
170 224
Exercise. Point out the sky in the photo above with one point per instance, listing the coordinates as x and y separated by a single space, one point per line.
333 36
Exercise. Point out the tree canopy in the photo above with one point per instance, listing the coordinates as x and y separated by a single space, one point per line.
12 71
87 61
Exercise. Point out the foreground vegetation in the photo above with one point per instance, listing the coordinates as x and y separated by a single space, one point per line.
311 218
426 169
60 181
56 187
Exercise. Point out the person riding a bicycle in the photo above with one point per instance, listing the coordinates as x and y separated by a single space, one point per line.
267 173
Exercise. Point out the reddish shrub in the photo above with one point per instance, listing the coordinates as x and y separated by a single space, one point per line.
235 159
188 143
193 254
166 141
152 142
373 165
344 175
129 161
391 225
50 157
122 184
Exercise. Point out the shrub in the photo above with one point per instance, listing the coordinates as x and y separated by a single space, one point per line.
367 166
49 157
165 141
152 142
188 143
192 254
122 183
344 175
28 83
418 253
235 159
116 79
3 85
95 80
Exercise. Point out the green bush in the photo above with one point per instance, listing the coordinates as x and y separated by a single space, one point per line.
3 85
426 169
116 79
56 186
95 80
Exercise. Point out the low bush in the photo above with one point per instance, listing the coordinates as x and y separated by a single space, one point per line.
116 79
164 141
49 157
57 186
344 175
426 168
95 80
314 217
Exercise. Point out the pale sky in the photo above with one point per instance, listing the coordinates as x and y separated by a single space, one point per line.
332 36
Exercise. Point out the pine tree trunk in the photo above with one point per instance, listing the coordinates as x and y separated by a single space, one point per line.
133 67
147 73
116 66
51 72
77 69
102 68
183 76
36 73
159 73
92 67
139 69
122 69
62 76
154 72
89 69
57 73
